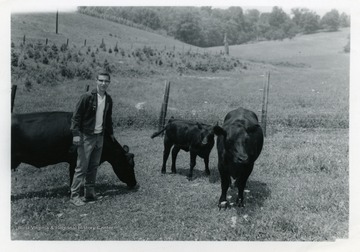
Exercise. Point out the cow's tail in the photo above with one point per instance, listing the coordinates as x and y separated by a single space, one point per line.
161 131
158 133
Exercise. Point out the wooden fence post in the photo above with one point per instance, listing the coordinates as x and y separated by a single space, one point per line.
164 106
87 87
265 102
226 44
85 42
13 93
46 41
57 21
67 42
24 39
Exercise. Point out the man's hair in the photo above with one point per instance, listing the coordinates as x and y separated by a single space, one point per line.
104 73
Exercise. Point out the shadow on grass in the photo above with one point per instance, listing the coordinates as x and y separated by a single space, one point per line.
64 191
256 193
197 173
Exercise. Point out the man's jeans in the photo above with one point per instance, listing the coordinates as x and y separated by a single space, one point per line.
88 160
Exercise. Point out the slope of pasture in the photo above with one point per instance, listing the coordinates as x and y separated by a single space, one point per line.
315 71
297 192
79 27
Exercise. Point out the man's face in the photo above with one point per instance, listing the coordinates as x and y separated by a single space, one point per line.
103 82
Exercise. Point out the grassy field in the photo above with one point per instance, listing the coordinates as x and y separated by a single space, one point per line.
298 191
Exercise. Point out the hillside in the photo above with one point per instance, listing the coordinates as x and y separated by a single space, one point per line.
77 27
86 44
304 49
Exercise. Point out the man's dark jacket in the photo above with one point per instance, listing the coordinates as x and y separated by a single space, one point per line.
83 119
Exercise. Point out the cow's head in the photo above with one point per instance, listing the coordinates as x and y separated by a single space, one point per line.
121 160
206 134
205 137
236 147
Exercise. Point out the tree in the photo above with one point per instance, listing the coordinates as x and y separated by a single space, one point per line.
251 25
236 14
344 20
277 17
281 26
307 21
212 32
331 20
188 28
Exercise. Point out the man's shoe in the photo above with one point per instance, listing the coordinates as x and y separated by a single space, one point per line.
92 199
77 201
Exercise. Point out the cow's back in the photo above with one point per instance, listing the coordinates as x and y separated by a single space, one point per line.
182 132
40 138
248 116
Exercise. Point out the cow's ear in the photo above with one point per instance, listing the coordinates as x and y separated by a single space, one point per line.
252 128
219 131
126 148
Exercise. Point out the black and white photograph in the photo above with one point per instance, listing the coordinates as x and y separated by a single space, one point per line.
210 125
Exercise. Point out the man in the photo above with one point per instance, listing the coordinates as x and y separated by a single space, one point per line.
92 116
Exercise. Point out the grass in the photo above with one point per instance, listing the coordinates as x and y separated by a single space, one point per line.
286 199
298 191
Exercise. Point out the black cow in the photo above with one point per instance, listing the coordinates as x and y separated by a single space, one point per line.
239 144
42 139
198 138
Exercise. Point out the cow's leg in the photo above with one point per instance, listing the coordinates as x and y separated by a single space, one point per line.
225 183
167 147
174 153
241 183
192 164
206 161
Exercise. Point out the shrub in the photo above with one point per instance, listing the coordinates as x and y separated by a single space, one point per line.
67 71
22 64
28 84
30 52
63 48
14 58
38 46
148 51
76 58
37 55
102 45
45 60
106 66
122 52
51 55
84 72
347 47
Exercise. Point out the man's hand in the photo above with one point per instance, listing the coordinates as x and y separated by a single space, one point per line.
76 140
